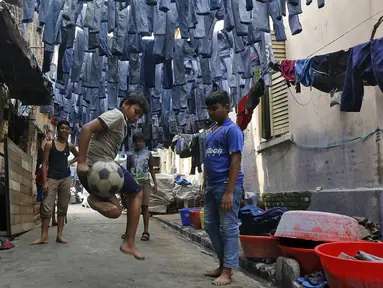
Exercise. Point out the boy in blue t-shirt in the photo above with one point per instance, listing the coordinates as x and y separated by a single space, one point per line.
223 186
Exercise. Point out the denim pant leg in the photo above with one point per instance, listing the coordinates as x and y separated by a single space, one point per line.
164 5
191 16
178 63
202 7
124 69
229 22
215 4
294 9
279 27
295 24
183 9
78 55
229 70
224 230
140 16
120 33
134 68
28 11
263 16
212 222
159 19
321 3
200 31
205 70
111 16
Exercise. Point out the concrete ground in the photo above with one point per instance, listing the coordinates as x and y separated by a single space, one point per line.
92 258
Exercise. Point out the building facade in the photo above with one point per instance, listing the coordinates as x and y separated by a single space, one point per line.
287 157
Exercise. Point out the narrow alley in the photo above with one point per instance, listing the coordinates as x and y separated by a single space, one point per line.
92 258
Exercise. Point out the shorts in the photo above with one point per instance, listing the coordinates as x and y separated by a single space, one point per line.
147 189
130 185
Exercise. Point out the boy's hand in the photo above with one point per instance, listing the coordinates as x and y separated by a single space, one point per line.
82 169
45 189
227 201
155 188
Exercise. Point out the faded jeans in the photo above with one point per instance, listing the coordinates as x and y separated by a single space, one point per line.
222 226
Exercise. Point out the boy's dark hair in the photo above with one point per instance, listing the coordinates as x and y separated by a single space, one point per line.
138 136
62 122
218 97
136 98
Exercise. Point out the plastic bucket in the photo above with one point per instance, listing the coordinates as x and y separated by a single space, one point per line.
202 217
195 219
308 260
185 215
260 247
345 273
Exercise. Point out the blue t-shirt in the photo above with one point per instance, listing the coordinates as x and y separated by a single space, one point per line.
221 141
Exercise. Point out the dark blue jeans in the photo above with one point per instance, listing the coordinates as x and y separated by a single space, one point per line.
222 226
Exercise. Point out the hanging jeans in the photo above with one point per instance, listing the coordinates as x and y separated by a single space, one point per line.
223 226
159 22
93 15
279 27
262 13
134 68
178 62
78 55
53 18
28 11
111 16
183 9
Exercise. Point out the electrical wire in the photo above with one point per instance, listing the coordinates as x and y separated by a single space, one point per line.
344 34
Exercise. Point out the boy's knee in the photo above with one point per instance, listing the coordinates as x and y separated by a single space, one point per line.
114 214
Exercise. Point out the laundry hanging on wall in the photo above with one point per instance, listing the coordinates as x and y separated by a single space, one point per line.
342 74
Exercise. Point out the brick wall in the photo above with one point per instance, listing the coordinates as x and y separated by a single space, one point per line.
20 189
290 200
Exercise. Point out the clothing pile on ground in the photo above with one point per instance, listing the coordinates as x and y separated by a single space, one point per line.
370 231
95 52
5 244
257 222
314 280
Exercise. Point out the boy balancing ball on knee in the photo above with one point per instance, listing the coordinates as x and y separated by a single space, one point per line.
100 140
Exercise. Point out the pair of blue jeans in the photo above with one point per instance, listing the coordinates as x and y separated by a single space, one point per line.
222 226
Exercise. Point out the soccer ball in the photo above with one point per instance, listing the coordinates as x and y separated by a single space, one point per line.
105 178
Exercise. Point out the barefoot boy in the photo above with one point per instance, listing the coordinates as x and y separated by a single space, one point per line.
100 140
223 182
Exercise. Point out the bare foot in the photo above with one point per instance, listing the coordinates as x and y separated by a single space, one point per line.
224 278
101 206
125 248
60 239
214 273
41 240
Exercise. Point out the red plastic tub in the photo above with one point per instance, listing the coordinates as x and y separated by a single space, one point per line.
308 260
260 247
195 219
344 273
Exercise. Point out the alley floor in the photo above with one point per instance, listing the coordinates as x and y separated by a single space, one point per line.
92 258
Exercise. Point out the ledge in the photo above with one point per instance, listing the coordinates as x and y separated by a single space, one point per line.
19 68
274 142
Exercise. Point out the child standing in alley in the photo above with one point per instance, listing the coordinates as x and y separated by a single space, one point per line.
140 164
223 182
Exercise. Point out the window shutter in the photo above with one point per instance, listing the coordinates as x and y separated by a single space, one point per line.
279 108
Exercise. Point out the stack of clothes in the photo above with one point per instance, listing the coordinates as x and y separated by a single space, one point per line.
257 222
